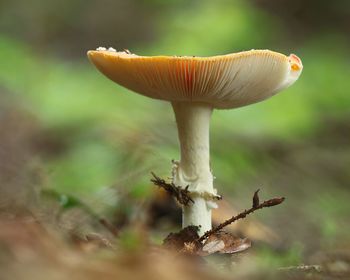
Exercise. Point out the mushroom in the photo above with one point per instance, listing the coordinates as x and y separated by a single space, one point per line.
195 86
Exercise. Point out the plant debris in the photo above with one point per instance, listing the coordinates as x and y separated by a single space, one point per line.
215 240
181 195
183 239
92 242
111 228
225 243
256 200
256 206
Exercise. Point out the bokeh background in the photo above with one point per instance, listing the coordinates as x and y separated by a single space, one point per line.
69 135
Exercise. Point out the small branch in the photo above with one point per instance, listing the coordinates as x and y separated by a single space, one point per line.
111 228
256 206
181 195
303 268
256 200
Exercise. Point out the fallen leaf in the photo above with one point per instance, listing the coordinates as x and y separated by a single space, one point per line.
225 243
214 246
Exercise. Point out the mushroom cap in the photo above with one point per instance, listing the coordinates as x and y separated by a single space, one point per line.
224 81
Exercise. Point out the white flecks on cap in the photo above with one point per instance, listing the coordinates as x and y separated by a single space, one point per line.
111 49
225 81
101 49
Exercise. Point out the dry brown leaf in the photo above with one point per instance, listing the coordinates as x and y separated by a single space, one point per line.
225 243
213 246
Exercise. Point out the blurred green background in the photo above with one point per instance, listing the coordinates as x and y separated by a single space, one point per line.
68 130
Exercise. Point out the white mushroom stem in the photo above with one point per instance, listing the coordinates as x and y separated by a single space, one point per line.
193 169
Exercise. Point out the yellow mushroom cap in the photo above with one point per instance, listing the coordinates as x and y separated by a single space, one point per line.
224 81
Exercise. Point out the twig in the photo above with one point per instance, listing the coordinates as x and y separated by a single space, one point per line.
303 268
111 228
256 200
256 206
181 195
